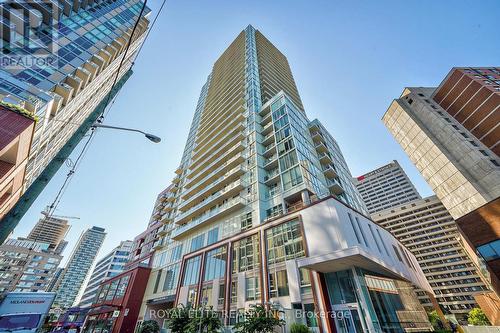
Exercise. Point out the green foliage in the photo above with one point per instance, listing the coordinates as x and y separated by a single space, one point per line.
179 318
149 326
477 317
299 328
19 110
435 320
185 319
204 320
259 320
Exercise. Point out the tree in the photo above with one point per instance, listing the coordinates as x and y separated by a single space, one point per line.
149 326
259 320
477 317
179 318
299 328
435 320
205 319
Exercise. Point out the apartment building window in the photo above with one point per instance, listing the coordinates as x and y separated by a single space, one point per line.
215 263
305 281
278 284
284 242
112 290
490 251
212 236
291 178
246 221
177 252
192 271
222 294
252 289
192 294
157 281
234 291
170 277
246 254
197 242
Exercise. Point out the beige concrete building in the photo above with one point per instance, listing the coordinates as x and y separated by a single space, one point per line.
385 187
460 169
426 228
263 210
50 230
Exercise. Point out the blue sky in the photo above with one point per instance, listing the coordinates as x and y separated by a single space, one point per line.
349 59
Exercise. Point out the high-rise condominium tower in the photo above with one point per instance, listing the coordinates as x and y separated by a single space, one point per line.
60 66
50 230
78 267
385 187
451 135
110 266
263 209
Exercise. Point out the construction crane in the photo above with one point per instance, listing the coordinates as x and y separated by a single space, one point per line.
46 214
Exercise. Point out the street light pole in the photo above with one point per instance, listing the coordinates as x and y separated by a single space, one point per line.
149 136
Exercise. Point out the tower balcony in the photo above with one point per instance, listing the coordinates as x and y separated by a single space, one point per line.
179 170
204 179
229 207
268 128
272 176
271 162
225 193
321 148
213 143
334 186
201 171
210 186
313 128
325 158
219 146
317 137
269 150
330 172
268 139
166 219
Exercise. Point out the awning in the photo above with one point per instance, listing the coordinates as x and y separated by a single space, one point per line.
161 300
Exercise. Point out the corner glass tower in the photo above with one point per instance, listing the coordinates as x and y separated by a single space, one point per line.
59 61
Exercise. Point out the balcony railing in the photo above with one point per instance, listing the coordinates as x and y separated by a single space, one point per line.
325 158
212 176
239 170
271 161
231 188
272 174
201 168
334 186
330 172
230 206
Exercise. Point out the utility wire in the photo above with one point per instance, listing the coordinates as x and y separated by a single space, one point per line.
100 119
